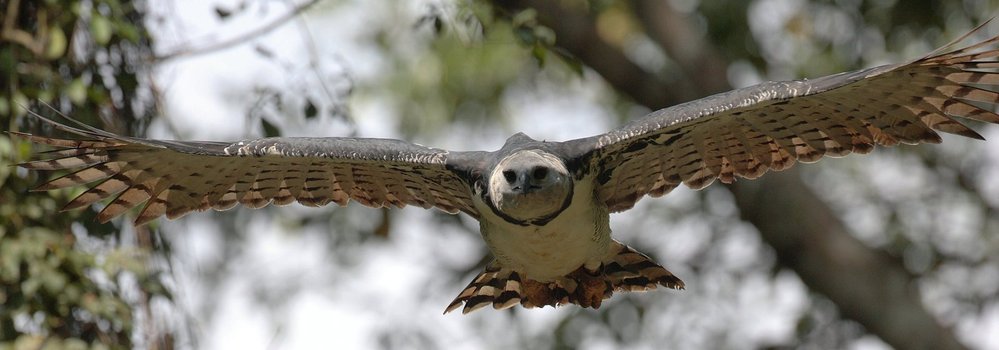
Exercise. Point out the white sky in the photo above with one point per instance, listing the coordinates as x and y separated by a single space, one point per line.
205 98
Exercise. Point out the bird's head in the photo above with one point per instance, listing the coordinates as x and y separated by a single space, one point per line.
530 184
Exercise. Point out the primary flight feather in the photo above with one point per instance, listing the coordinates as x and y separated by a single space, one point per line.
544 207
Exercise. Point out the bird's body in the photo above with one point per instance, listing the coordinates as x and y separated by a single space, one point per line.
544 207
578 236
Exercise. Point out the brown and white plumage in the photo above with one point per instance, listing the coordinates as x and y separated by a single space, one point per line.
745 132
544 207
173 178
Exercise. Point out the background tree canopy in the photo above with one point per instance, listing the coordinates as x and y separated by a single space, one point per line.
894 249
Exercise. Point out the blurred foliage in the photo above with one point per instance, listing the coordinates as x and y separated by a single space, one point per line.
471 57
463 73
65 279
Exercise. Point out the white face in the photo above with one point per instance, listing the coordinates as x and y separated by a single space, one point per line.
529 184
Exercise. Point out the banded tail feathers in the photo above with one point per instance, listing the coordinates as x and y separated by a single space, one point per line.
626 271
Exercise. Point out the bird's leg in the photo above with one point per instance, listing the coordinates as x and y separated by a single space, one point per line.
590 287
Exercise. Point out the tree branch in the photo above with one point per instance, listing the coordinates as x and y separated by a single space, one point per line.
701 64
264 29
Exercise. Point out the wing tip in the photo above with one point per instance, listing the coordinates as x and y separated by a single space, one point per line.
86 131
972 134
945 49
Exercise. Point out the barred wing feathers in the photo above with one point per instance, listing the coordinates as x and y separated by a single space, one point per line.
745 132
174 178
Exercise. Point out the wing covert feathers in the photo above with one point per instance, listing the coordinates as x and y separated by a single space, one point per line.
771 126
173 178
626 271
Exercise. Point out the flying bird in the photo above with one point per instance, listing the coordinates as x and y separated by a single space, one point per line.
544 207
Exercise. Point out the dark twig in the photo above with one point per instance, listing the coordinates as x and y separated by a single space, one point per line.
315 66
189 51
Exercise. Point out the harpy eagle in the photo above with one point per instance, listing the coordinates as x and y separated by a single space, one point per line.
544 207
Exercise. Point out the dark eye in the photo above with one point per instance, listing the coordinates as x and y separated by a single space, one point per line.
539 173
510 176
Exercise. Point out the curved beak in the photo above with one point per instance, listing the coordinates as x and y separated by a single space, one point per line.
525 184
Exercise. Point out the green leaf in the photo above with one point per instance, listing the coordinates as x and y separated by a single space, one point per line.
29 341
45 95
10 258
222 13
20 103
77 91
127 31
54 281
56 44
544 35
30 286
100 29
122 260
527 17
539 53
269 129
438 25
74 344
310 109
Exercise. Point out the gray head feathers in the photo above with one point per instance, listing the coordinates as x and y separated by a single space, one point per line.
529 184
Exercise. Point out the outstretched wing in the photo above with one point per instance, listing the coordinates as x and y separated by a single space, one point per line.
748 131
173 178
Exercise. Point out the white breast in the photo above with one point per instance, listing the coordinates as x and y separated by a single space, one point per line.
578 236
